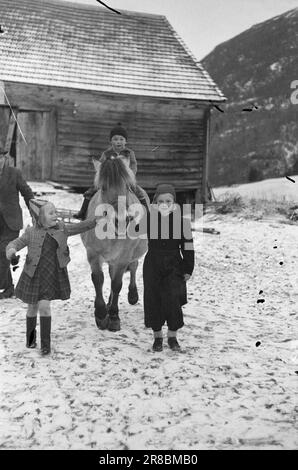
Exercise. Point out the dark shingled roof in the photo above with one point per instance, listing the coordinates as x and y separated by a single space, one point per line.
91 48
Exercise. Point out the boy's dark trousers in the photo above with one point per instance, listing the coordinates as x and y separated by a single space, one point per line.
6 236
163 289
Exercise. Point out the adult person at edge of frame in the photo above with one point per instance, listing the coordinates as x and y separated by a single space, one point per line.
11 220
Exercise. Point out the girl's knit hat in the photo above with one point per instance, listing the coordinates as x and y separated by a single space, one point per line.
163 189
118 130
35 206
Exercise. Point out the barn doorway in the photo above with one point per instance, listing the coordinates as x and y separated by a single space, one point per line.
33 149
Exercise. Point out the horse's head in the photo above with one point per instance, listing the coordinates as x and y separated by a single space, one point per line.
114 178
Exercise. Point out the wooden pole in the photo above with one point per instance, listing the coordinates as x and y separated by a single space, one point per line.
201 193
206 172
2 93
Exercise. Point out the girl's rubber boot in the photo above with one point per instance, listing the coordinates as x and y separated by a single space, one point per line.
31 332
45 335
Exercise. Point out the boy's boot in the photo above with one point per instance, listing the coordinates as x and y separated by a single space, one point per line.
172 341
83 211
31 332
158 339
45 335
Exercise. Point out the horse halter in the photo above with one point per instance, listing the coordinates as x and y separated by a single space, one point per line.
129 218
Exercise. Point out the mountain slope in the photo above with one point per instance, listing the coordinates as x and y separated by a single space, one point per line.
257 66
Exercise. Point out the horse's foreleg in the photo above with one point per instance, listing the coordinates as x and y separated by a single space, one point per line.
111 273
97 276
116 285
133 295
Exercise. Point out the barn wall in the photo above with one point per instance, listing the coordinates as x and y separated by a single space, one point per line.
4 124
168 136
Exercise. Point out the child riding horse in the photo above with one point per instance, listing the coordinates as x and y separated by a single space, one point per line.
115 180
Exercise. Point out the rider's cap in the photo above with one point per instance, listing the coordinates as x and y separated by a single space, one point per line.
118 130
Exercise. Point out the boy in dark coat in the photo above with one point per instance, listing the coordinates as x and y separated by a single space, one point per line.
118 138
168 264
11 221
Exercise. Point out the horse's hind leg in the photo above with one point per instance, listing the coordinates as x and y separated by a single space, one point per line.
97 276
116 285
133 295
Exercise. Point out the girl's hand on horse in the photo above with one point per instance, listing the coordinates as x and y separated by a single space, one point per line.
10 253
187 277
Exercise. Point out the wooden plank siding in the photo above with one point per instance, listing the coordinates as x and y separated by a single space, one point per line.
4 124
167 135
10 132
35 156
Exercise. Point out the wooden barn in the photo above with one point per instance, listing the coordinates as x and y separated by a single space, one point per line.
69 72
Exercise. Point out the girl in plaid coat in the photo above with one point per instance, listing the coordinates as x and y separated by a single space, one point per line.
44 277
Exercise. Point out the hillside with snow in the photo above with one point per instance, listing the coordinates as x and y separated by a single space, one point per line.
257 68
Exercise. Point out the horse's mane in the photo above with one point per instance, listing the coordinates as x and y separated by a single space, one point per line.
114 177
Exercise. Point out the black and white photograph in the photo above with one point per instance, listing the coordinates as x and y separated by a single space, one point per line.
148 227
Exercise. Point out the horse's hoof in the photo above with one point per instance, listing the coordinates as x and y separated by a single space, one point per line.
114 324
102 323
133 296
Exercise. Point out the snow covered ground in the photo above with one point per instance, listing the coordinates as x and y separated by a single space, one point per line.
271 189
103 390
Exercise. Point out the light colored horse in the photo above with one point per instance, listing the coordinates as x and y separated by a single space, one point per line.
114 178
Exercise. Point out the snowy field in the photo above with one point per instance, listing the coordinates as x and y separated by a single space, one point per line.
272 189
234 385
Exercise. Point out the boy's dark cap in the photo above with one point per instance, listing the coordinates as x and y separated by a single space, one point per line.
165 188
118 130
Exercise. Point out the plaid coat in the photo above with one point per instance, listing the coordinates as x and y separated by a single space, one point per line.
34 237
49 281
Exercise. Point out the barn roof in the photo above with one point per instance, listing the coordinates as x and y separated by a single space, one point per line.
59 43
